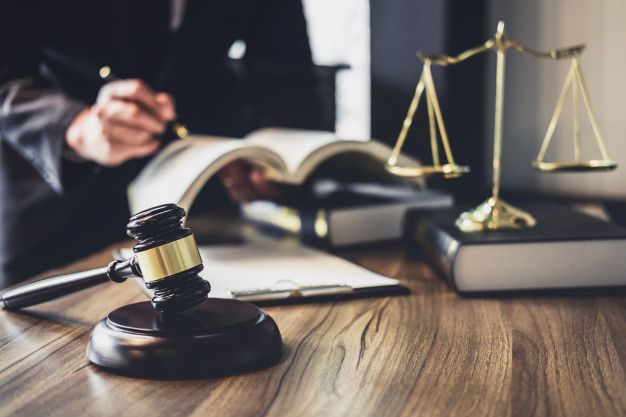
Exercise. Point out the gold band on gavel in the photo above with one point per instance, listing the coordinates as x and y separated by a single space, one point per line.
169 259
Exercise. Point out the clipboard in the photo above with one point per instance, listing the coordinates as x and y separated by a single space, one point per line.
284 272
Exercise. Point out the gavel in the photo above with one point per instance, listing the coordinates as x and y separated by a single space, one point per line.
181 332
166 257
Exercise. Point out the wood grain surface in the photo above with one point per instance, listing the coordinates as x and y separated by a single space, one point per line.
431 353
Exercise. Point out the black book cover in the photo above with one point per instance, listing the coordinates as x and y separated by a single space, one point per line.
434 234
313 212
554 223
313 209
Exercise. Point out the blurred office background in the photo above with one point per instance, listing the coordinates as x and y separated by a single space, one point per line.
339 33
378 40
534 85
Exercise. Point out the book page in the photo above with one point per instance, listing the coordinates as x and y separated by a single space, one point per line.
278 266
304 150
293 145
178 173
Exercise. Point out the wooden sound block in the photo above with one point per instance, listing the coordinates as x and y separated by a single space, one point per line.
214 338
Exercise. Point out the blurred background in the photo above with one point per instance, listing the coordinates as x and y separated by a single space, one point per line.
378 40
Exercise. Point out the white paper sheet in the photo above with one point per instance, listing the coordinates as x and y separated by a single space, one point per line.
254 270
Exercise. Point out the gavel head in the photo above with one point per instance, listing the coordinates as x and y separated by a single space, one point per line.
167 258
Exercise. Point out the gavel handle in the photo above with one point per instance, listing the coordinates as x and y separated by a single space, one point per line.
55 287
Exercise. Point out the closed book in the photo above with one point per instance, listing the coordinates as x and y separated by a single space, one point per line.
346 216
566 249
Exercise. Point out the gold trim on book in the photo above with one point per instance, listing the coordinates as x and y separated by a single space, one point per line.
169 259
321 224
285 218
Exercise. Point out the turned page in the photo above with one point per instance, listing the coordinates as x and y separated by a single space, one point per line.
304 150
180 170
178 173
294 146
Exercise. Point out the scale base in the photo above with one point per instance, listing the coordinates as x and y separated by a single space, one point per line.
494 214
216 337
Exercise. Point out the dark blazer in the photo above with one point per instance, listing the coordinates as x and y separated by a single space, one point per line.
54 208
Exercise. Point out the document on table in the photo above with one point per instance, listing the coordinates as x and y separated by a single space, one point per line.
276 270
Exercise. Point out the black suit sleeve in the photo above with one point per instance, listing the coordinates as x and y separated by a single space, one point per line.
278 35
34 114
282 85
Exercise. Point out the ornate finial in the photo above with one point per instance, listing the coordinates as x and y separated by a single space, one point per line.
500 28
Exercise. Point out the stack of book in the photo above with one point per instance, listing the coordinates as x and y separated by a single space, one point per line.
344 214
566 249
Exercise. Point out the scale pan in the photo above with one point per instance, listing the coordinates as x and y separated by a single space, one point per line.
446 170
576 166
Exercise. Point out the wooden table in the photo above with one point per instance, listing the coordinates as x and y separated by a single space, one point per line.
432 353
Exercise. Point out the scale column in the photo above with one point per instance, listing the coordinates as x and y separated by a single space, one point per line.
494 213
499 109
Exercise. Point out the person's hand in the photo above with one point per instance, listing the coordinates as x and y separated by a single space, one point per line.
124 123
245 183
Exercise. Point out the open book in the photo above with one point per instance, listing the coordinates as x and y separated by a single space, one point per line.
179 172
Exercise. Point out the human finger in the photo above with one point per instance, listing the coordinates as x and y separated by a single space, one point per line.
134 90
121 153
235 179
129 114
125 135
264 188
167 104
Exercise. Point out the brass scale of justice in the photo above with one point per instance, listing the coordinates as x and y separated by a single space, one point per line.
494 213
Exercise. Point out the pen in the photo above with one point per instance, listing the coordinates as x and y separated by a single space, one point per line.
179 130
174 130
